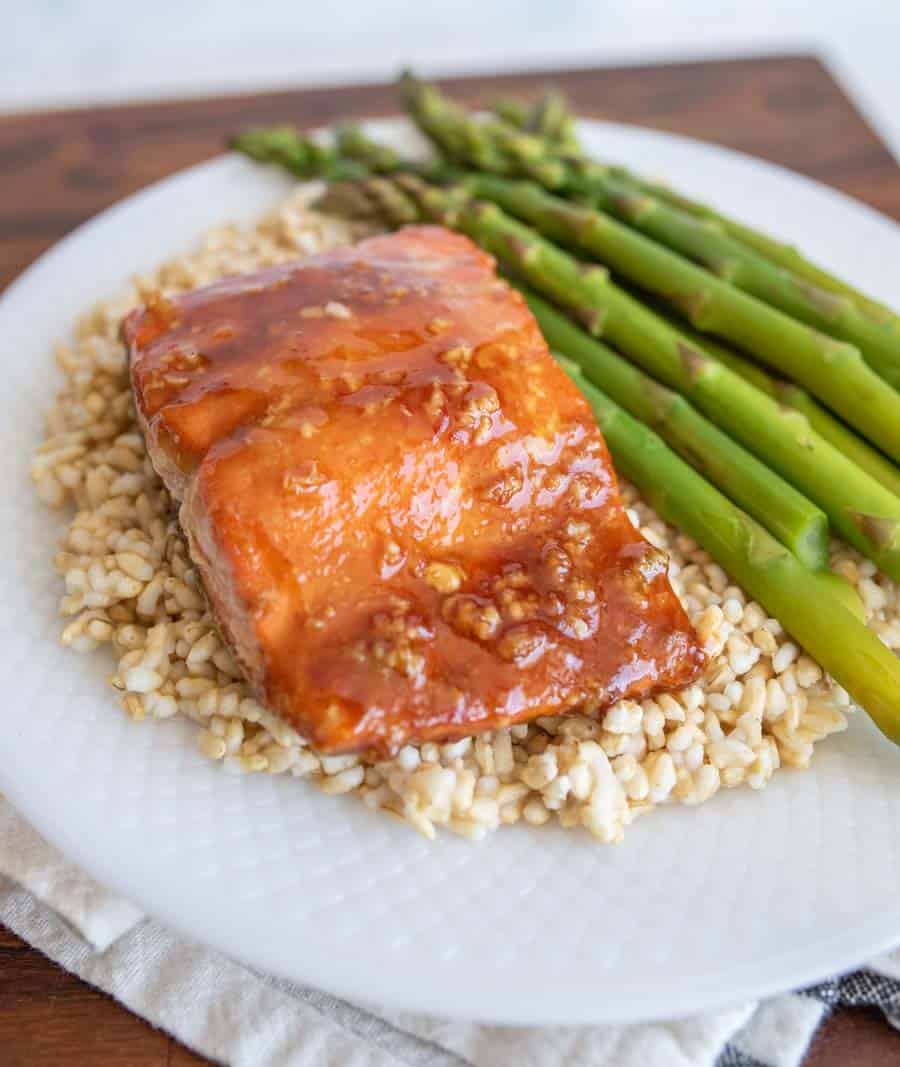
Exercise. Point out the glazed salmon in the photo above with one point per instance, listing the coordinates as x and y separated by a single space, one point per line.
405 518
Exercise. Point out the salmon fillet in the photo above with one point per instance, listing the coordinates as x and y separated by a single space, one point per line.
403 513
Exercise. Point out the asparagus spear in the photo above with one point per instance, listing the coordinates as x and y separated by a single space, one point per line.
497 147
858 451
526 155
298 154
860 509
449 125
704 304
512 112
789 516
828 630
784 255
354 155
551 119
776 252
744 268
823 422
548 118
353 143
832 370
547 115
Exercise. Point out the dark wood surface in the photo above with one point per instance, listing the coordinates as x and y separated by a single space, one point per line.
59 168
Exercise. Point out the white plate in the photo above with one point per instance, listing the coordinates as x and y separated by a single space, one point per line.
749 894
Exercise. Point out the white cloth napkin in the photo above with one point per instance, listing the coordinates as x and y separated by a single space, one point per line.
235 1016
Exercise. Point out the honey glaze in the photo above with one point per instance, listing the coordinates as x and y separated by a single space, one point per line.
405 517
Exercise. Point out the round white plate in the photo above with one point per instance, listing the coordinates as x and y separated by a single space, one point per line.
749 894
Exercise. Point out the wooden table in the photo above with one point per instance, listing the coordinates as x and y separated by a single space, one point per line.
58 169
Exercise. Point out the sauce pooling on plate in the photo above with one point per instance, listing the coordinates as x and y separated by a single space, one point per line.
405 518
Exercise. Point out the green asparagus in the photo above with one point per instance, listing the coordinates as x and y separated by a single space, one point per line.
789 516
832 370
497 147
746 269
300 155
822 421
551 120
526 155
351 141
710 307
774 251
511 112
784 255
449 126
828 630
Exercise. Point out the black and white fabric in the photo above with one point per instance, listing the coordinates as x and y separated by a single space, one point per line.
772 1036
235 1016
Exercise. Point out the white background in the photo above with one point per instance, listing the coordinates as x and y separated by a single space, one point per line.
68 52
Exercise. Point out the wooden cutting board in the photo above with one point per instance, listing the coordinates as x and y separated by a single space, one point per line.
59 168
